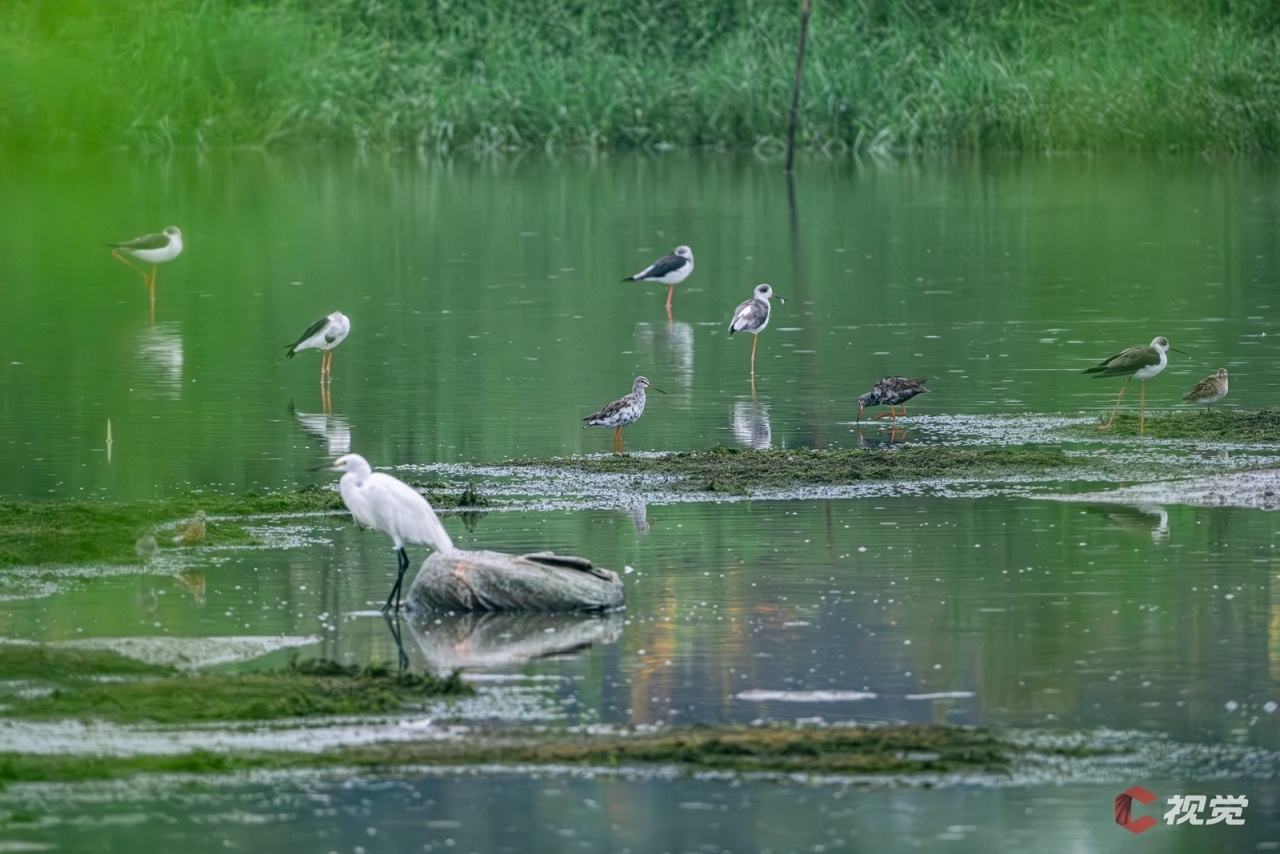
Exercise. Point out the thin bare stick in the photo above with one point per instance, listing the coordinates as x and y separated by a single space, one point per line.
795 90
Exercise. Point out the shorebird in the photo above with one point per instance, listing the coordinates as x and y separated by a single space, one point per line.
194 532
154 249
146 546
323 335
382 502
1141 362
670 270
1209 390
753 316
623 411
893 391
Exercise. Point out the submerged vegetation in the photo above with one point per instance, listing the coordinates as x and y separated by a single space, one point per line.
779 749
737 471
485 76
1210 425
303 689
34 533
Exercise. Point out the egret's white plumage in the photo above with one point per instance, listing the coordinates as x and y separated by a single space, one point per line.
382 502
323 335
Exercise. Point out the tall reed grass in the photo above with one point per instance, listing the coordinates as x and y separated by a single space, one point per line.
487 75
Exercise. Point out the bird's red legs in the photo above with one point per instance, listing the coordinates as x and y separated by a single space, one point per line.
754 342
1107 426
1142 411
148 279
670 291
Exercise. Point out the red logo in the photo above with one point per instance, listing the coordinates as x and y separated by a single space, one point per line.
1124 809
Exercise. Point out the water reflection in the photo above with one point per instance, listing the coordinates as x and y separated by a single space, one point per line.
669 345
751 425
1139 518
159 355
640 517
896 436
333 430
491 639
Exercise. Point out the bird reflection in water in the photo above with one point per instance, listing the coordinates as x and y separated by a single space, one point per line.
159 355
193 582
897 435
751 425
668 345
640 517
1139 518
333 430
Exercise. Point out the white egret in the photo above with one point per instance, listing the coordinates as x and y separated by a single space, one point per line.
382 502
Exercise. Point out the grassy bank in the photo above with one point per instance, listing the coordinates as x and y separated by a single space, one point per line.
487 76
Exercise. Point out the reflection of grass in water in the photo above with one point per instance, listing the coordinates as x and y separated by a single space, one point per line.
303 689
1211 425
489 75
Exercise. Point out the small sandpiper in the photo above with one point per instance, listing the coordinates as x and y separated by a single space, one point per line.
323 335
891 391
670 270
1209 390
194 532
623 411
753 316
153 249
1141 362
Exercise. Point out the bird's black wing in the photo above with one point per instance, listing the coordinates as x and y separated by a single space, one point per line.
661 267
311 330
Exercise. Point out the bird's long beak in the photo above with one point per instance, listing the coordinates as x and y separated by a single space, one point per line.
779 298
1183 352
325 467
655 388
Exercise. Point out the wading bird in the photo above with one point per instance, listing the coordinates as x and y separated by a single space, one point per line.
891 391
388 505
194 532
1140 362
153 249
623 411
753 316
670 270
1209 390
323 335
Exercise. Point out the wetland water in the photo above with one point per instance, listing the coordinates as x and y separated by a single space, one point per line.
487 319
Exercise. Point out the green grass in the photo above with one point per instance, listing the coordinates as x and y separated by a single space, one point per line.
304 689
34 533
1210 425
488 76
737 471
